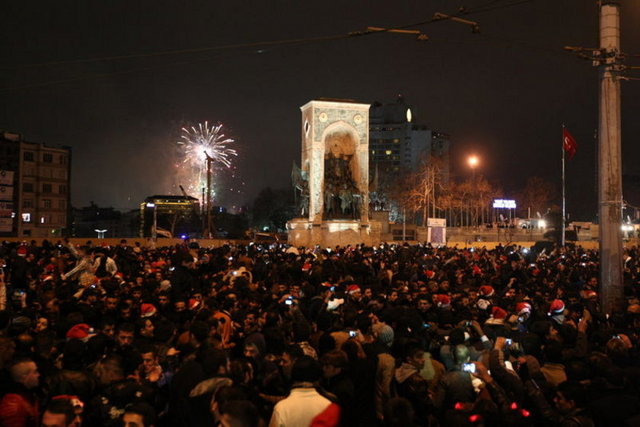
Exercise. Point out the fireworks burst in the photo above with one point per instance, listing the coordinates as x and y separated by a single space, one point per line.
200 143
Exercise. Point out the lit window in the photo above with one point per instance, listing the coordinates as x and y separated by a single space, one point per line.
26 217
387 152
43 220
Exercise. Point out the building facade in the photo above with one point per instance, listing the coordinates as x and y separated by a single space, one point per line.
170 216
398 144
35 188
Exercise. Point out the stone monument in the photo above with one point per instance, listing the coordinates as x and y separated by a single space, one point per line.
332 183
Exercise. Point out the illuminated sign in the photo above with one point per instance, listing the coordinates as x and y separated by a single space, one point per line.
504 204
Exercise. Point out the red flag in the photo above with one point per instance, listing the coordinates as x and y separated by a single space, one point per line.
569 143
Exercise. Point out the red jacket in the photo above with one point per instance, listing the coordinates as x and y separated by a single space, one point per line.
19 409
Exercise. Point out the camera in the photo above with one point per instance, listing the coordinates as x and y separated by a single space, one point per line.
289 301
508 341
352 334
469 367
333 289
426 325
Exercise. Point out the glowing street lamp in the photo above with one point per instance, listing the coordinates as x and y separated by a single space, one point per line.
473 162
100 233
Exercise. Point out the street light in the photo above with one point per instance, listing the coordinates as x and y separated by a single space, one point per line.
100 233
154 231
473 162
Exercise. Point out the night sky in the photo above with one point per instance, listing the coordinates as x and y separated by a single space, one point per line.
503 93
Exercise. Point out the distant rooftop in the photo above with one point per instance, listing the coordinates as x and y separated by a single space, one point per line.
169 197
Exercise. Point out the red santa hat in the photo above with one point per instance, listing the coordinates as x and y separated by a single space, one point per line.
487 291
430 274
352 289
476 270
306 266
193 304
523 307
147 310
22 251
81 331
443 300
557 307
588 294
498 313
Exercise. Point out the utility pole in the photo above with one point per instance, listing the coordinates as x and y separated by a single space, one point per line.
610 159
608 59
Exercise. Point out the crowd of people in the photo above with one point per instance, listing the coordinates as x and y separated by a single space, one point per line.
270 335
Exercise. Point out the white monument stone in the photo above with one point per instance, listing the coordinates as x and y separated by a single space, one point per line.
335 164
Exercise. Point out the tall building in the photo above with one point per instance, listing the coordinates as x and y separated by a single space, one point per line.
398 144
34 188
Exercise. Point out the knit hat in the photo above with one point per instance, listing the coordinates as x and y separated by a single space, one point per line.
523 307
498 313
384 333
352 289
486 291
147 310
557 307
81 331
443 300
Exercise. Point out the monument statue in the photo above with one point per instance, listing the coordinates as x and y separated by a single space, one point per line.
332 183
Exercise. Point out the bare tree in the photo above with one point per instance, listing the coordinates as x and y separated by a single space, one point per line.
417 191
536 195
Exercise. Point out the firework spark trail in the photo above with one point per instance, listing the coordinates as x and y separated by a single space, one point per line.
199 143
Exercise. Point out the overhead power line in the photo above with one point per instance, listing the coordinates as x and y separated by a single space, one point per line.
492 5
487 7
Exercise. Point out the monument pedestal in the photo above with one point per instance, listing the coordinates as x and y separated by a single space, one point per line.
331 233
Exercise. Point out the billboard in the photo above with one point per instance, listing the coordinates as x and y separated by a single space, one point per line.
504 204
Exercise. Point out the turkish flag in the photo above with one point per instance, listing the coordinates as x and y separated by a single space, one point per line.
569 143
